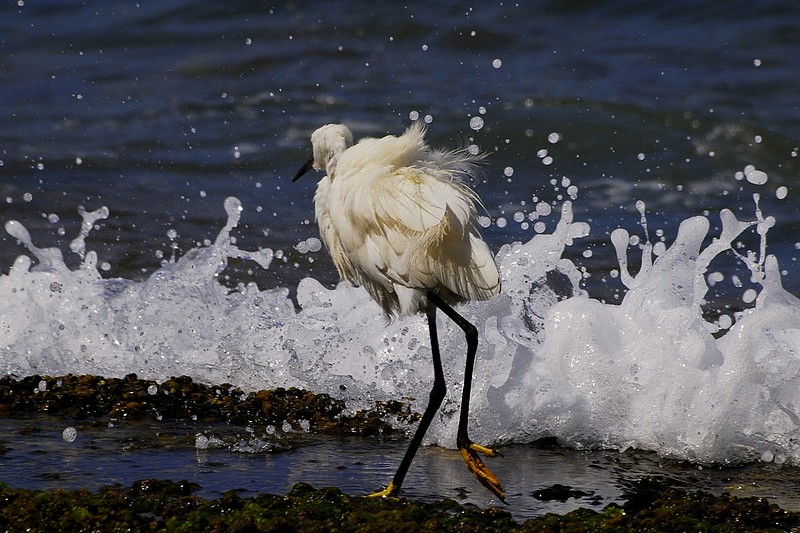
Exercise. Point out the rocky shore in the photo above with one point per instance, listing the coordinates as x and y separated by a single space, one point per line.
156 505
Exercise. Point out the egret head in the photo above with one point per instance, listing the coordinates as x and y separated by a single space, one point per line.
328 143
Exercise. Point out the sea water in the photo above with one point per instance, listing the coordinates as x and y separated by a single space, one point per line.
649 373
640 196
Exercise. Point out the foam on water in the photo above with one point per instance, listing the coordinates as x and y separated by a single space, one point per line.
649 373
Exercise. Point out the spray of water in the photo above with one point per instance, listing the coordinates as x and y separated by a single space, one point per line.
649 373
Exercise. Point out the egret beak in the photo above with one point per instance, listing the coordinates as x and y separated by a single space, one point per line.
308 166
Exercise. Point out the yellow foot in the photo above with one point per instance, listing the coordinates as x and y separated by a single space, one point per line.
389 492
469 451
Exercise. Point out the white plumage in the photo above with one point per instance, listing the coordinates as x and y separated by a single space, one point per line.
398 219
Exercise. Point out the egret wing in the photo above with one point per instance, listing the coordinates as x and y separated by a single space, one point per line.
418 200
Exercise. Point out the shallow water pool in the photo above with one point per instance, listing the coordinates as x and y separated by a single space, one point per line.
538 479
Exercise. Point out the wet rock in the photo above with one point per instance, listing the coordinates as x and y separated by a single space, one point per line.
154 505
560 493
181 398
157 505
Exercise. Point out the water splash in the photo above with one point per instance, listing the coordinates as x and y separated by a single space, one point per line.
553 362
78 245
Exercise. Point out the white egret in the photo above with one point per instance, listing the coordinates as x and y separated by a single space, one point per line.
398 219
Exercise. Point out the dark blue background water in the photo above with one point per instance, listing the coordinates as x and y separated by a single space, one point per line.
159 110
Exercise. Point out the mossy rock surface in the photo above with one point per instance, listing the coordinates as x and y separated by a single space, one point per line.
153 505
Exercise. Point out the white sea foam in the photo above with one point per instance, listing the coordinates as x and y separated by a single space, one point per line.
649 373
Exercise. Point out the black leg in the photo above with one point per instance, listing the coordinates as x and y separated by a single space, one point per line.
472 347
436 397
469 450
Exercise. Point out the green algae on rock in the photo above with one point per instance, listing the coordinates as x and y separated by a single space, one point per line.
154 505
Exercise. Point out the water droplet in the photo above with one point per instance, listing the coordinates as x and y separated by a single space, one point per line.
69 434
749 296
233 208
756 177
476 123
314 244
715 277
572 191
543 209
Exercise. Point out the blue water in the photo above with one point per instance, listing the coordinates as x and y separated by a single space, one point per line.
160 111
123 453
